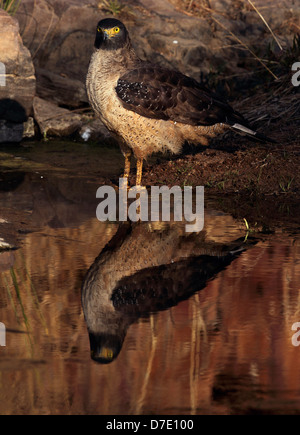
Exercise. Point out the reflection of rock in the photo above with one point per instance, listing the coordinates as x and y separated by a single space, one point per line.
10 181
18 88
142 271
54 120
50 201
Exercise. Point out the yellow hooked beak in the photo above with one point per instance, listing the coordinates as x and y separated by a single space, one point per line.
110 33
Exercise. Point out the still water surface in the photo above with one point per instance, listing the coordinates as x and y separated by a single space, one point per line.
185 324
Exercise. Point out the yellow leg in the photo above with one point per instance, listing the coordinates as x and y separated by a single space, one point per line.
127 164
139 172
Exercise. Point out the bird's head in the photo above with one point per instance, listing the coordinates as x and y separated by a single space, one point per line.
111 34
105 347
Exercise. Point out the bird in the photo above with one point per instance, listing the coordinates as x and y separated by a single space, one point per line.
145 269
149 108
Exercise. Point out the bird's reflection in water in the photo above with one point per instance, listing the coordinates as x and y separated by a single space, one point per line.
143 269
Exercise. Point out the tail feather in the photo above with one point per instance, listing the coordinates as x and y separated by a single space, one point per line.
250 132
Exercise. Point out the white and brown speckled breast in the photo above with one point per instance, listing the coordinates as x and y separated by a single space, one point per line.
143 135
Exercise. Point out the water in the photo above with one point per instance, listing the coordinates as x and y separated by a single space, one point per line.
185 324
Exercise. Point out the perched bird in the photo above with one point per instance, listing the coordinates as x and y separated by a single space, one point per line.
149 108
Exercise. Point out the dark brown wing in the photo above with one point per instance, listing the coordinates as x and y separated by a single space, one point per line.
160 93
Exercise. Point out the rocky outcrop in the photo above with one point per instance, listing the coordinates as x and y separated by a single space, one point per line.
20 75
60 36
54 120
17 89
60 88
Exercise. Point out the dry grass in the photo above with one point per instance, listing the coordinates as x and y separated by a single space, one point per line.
263 56
280 106
10 6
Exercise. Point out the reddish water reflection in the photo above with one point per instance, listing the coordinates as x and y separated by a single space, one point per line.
226 349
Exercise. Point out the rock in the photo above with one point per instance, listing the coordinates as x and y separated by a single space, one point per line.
10 132
38 20
60 36
17 89
54 120
60 89
20 78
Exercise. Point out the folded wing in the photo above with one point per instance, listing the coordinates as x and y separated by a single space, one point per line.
160 93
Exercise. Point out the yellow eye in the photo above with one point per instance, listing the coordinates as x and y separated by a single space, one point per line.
98 29
117 29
